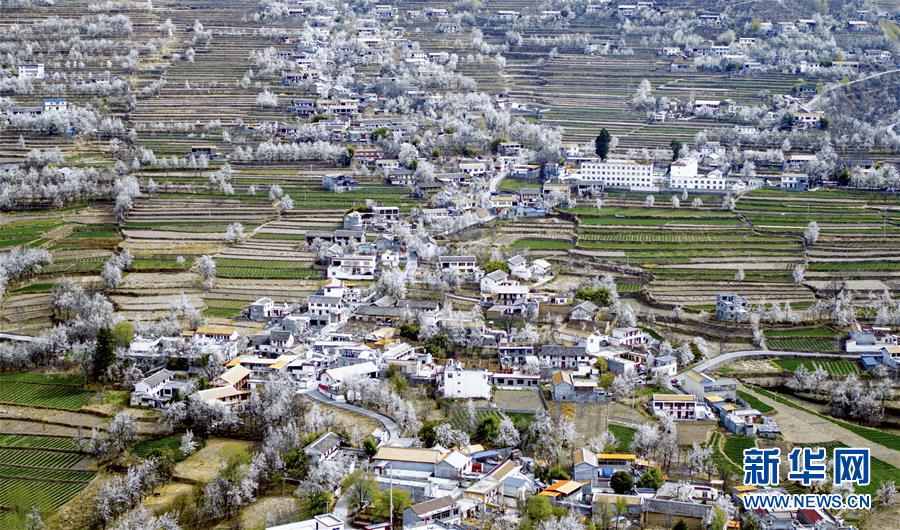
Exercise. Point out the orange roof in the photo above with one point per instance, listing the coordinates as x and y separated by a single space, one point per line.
565 487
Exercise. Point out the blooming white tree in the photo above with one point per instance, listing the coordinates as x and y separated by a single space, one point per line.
234 232
206 269
286 204
645 441
188 445
676 202
266 99
649 201
122 431
739 275
811 234
392 282
446 436
507 433
799 273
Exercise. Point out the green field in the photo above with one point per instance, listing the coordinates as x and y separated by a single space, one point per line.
735 445
755 402
624 434
723 464
37 471
835 367
168 446
458 417
61 392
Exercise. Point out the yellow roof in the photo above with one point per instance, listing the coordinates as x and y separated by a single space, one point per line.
562 377
714 398
729 407
234 362
695 376
282 361
672 397
616 456
234 374
503 470
215 329
744 488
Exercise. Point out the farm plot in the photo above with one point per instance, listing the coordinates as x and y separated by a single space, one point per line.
43 393
542 244
264 269
835 367
37 471
459 421
755 402
735 445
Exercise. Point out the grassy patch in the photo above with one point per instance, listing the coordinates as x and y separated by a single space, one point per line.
755 402
168 446
624 434
735 445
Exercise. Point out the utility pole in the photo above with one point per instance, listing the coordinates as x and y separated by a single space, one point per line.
391 487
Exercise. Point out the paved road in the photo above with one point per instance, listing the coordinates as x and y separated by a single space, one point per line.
386 422
751 354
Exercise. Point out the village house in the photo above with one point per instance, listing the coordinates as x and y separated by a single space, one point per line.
564 357
731 307
323 448
352 267
31 71
442 510
676 406
462 265
460 383
156 390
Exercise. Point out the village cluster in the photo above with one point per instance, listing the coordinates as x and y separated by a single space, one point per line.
323 265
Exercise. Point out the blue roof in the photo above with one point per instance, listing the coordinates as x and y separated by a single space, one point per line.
54 100
868 362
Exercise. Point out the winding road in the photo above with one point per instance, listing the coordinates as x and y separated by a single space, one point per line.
389 425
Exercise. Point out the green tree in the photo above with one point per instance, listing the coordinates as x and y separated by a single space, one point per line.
601 143
124 334
496 265
381 506
720 519
361 489
680 525
603 515
104 353
652 478
370 446
676 147
487 428
538 508
556 472
426 433
296 463
319 503
599 296
621 482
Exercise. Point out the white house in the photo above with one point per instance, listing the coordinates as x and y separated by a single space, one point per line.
31 71
352 267
462 265
460 383
156 390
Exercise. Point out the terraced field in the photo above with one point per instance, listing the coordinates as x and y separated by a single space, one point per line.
40 471
43 392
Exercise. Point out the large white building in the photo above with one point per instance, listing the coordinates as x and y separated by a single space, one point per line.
636 176
459 383
683 175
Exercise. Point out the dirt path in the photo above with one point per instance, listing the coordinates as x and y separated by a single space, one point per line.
802 427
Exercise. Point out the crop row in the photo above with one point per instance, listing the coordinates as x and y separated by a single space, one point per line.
38 442
54 396
39 458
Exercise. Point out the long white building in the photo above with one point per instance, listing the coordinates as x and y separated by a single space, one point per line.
683 175
636 176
